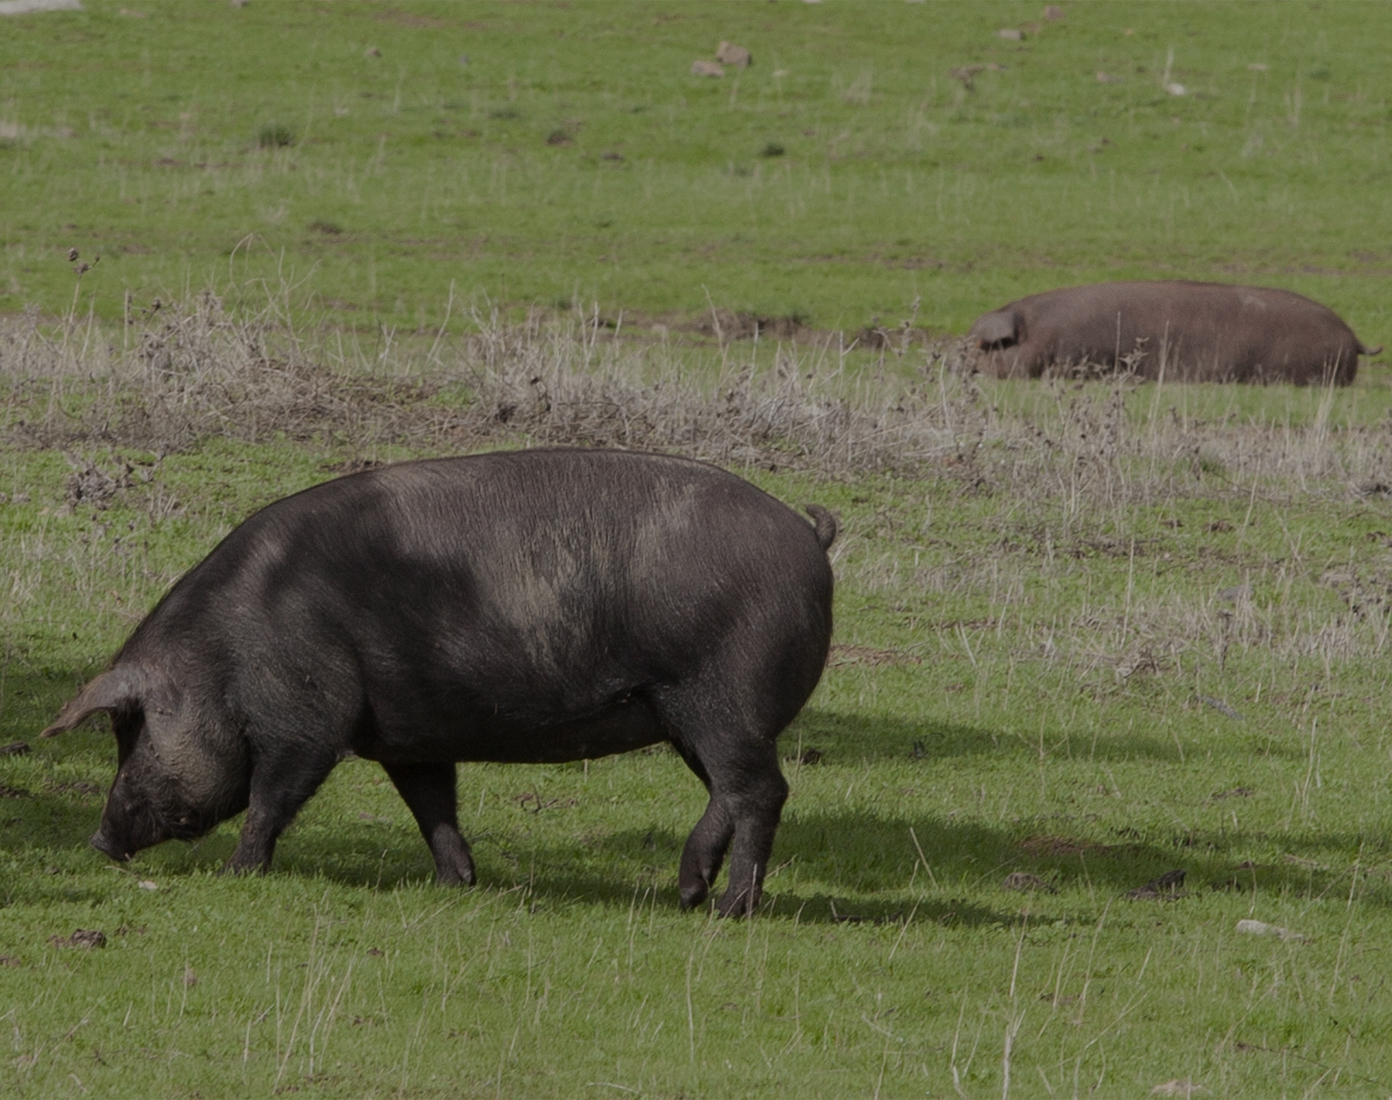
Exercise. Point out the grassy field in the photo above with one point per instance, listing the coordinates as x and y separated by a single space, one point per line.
1087 634
844 176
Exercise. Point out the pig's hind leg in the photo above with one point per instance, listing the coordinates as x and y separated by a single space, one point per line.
739 767
429 790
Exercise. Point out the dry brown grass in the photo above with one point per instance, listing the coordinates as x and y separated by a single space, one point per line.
184 371
193 369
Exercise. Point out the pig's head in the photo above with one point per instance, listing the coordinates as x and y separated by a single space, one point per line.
999 329
179 769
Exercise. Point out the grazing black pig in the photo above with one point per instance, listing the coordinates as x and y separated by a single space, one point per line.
1181 331
533 606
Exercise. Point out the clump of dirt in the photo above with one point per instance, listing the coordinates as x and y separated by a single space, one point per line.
725 325
1028 883
1167 887
90 484
84 938
1047 845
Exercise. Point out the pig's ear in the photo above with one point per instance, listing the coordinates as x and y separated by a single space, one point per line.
1000 329
116 690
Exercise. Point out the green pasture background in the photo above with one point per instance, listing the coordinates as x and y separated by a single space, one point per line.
1109 635
418 160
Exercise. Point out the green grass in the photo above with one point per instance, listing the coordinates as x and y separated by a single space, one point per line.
1091 634
1035 680
205 140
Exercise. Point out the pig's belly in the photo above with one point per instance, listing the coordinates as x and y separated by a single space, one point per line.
630 723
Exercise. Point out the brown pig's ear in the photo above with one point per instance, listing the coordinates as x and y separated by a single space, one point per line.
1000 327
118 689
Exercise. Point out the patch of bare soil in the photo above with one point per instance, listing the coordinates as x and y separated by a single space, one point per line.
724 325
1167 887
1028 883
84 938
1048 845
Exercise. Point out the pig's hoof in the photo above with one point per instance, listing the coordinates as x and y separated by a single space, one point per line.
455 876
692 896
735 905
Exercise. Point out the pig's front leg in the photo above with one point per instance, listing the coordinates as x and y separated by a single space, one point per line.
279 787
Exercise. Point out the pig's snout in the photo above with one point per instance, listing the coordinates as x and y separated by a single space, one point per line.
104 844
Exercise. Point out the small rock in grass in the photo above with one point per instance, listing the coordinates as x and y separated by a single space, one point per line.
706 68
1261 928
1013 34
965 73
727 53
1176 89
1220 706
146 884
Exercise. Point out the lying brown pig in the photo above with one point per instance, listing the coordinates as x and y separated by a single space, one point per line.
1174 330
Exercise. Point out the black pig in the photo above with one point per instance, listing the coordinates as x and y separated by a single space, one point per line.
534 606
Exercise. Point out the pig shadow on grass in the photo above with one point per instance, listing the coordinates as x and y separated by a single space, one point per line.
827 865
849 738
